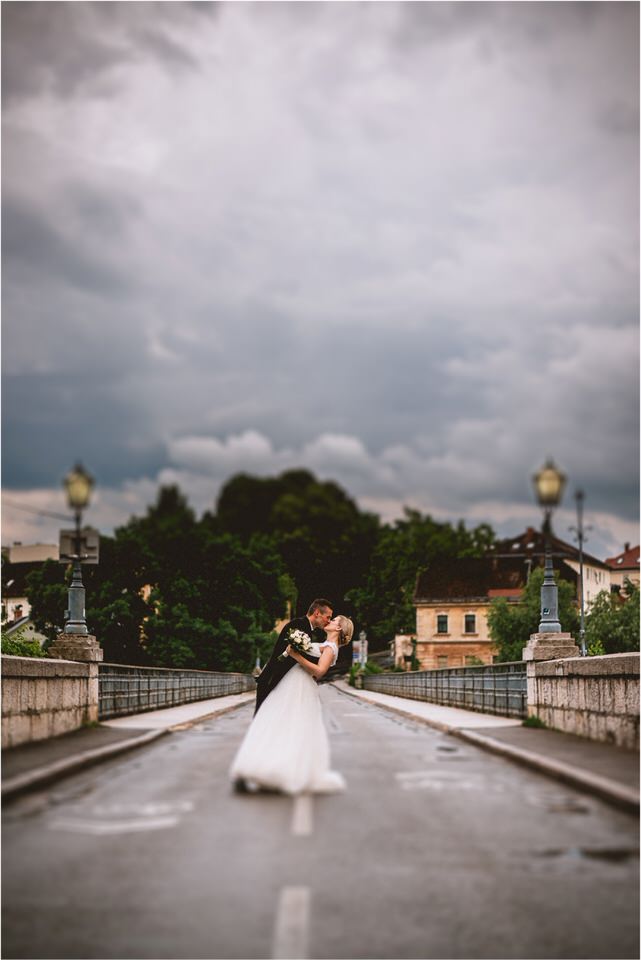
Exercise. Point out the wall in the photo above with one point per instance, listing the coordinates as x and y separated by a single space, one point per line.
43 698
456 644
595 579
594 697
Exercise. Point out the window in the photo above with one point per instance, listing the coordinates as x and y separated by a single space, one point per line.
441 662
441 623
470 623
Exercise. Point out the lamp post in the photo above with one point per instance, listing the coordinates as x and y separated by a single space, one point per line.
579 496
549 483
78 485
76 643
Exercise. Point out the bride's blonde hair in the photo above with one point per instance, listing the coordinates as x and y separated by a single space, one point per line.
347 630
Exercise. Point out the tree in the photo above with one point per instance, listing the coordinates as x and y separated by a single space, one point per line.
403 550
48 593
324 540
172 591
612 623
511 624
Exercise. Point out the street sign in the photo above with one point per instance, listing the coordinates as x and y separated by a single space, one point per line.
89 545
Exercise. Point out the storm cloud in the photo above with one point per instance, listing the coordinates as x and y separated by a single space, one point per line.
395 243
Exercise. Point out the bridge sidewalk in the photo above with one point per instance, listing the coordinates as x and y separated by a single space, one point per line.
609 772
35 764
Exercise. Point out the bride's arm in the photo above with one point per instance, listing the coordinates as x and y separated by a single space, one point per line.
317 670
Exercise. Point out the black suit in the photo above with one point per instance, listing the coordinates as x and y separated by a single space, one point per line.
274 670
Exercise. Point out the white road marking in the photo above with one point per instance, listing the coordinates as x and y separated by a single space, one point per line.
291 933
142 809
446 780
302 821
110 827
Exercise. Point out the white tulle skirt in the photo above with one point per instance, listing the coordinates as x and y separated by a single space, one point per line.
286 747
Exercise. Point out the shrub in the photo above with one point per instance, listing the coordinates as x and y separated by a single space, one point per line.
18 646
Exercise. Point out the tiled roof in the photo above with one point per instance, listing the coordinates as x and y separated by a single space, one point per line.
480 578
531 543
628 560
15 578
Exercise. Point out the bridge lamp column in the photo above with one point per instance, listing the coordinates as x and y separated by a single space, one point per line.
78 485
549 483
76 643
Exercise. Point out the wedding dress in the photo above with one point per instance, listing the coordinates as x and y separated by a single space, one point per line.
286 747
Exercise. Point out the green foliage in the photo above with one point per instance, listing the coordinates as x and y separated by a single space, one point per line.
534 721
612 623
511 624
173 590
324 541
367 670
47 589
402 551
18 645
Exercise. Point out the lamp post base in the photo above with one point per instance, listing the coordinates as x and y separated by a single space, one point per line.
550 646
69 646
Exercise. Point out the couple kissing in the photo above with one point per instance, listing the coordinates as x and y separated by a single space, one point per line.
286 747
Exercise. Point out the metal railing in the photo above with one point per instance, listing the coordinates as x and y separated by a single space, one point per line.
499 688
124 690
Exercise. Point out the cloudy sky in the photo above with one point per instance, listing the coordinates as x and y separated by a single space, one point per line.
395 243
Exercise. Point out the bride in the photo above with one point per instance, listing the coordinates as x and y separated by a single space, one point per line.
286 747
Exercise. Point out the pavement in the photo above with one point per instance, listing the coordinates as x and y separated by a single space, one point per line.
607 771
35 764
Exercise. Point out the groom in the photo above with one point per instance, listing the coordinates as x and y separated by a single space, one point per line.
318 616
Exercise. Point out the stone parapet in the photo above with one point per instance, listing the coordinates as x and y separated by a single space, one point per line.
43 698
550 646
593 697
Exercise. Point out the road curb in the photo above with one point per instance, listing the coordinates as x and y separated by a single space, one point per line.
612 792
50 772
616 793
61 768
184 724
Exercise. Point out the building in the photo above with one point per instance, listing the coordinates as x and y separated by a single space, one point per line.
453 598
529 547
18 561
622 567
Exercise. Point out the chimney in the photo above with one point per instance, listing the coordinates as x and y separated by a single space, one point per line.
626 547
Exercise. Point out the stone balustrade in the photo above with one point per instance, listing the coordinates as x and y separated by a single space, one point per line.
594 697
43 698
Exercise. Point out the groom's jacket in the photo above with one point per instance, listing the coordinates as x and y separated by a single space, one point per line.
274 670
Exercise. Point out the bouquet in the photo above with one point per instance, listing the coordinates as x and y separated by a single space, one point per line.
299 641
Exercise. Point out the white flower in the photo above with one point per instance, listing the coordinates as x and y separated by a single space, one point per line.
299 641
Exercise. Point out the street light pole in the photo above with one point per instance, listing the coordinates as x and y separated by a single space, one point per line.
579 496
549 483
550 643
75 642
78 484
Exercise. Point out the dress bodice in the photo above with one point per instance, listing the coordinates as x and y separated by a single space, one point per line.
317 649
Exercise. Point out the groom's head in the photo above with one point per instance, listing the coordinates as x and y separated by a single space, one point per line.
320 613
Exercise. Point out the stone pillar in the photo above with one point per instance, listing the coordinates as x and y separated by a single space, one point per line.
70 646
544 646
550 646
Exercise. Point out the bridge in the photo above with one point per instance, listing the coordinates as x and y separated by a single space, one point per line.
439 848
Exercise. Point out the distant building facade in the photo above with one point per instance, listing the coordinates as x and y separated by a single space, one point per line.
21 559
624 566
453 599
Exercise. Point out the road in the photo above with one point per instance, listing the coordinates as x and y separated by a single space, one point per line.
436 850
